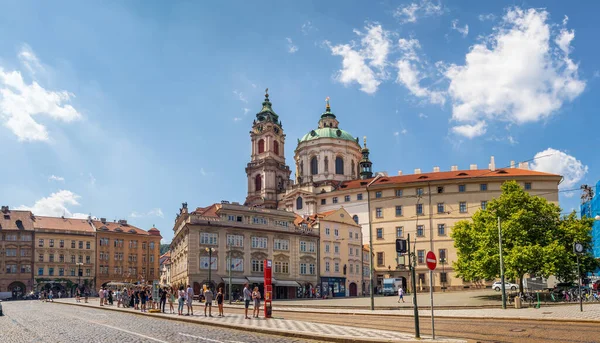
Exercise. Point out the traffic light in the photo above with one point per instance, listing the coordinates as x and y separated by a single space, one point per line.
401 246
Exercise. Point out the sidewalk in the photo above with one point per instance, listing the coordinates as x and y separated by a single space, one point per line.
568 312
274 326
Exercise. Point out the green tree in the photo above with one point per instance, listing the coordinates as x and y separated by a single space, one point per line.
535 240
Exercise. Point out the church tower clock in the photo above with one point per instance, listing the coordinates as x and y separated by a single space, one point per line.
267 173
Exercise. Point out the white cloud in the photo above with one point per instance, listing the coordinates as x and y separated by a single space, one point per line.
202 172
241 97
464 31
410 13
559 162
404 131
515 75
30 60
409 74
20 102
596 73
484 17
92 179
471 131
56 178
307 27
291 47
364 64
422 115
397 133
246 110
236 119
156 212
253 85
56 205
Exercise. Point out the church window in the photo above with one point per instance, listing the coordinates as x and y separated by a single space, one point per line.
276 148
326 162
261 146
258 183
314 166
339 165
299 203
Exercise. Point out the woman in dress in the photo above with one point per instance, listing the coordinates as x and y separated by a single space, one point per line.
171 298
256 298
220 301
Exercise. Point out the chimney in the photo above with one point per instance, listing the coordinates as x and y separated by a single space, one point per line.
453 168
512 164
418 171
436 169
103 220
524 165
492 164
399 172
473 167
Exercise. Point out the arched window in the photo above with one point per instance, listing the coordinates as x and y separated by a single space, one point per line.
276 147
339 165
355 218
258 183
326 162
314 166
299 203
261 146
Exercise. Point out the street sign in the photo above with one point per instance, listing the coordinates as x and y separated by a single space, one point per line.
431 260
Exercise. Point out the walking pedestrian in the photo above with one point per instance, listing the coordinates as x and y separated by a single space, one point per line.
247 298
256 298
51 296
208 298
59 294
143 299
400 294
181 300
163 298
78 296
101 295
220 301
190 298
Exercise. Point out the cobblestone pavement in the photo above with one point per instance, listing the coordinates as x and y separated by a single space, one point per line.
564 312
34 321
315 330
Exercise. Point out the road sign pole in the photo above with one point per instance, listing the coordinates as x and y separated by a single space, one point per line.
431 298
414 284
431 261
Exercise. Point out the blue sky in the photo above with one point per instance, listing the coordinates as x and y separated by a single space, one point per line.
126 109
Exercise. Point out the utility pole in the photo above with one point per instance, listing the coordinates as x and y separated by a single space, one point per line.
412 265
579 277
371 288
501 265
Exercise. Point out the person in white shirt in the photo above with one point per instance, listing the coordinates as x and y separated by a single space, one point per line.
247 298
190 297
208 298
400 294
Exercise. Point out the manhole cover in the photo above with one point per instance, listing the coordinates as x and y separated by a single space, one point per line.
517 330
546 312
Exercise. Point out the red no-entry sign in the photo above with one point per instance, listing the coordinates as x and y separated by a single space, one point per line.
431 260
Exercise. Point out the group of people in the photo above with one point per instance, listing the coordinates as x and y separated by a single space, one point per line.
140 298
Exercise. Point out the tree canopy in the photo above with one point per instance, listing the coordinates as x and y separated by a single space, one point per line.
535 239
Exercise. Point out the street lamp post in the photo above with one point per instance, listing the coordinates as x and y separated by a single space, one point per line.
442 262
210 251
230 267
79 264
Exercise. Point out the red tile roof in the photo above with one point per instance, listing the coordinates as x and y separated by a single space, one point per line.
210 211
442 176
10 223
59 223
117 227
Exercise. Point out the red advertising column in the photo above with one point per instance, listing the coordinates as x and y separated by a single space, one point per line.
268 264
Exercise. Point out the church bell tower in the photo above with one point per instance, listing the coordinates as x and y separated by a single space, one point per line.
267 173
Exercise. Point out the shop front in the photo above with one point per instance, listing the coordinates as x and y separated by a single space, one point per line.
333 286
285 289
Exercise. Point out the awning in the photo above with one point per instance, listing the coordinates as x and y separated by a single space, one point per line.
286 283
255 279
234 281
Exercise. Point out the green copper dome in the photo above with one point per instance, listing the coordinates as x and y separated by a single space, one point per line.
327 132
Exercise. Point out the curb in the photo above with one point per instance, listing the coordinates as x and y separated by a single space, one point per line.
438 315
273 332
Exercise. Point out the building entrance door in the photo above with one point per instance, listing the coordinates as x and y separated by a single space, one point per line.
353 289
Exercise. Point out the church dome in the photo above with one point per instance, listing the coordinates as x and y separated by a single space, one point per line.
328 132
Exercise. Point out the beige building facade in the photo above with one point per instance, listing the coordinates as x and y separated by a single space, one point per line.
340 255
16 251
231 237
65 254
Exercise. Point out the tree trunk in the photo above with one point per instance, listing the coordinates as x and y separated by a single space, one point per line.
521 283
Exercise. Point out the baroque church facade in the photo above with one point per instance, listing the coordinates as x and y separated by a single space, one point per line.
324 158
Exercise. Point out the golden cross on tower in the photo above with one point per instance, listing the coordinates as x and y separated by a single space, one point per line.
365 140
327 104
267 92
